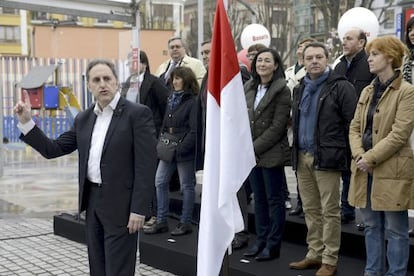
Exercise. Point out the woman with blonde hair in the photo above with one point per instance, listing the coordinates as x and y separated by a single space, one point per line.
383 164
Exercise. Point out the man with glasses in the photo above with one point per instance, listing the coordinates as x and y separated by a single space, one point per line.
179 57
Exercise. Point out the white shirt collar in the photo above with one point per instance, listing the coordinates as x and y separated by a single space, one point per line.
112 105
141 77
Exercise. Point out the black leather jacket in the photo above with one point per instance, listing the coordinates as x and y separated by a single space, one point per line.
336 106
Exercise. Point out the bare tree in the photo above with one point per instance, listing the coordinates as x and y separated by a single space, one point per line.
238 19
331 11
274 16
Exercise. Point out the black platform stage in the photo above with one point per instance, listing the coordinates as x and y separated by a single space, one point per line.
178 254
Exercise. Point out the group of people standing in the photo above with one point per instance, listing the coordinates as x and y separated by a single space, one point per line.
354 120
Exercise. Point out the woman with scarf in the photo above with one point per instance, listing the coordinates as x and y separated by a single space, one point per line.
383 164
409 59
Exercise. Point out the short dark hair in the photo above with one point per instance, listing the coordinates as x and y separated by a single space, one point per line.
317 44
177 38
106 62
363 35
306 39
205 42
256 47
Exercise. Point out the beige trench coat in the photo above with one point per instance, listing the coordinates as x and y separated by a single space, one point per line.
391 156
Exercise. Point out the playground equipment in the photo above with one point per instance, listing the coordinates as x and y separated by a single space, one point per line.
48 97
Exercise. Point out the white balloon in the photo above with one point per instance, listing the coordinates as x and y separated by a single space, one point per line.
254 34
361 18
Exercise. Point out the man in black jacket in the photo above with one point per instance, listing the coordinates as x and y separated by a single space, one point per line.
151 91
354 66
323 107
115 141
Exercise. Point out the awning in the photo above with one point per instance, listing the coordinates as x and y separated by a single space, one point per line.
37 76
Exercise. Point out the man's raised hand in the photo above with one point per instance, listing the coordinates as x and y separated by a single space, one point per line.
23 108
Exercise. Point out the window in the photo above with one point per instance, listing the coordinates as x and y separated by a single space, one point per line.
8 11
163 16
320 26
102 21
39 16
389 19
9 34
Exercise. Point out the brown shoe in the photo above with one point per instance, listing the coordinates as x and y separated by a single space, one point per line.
305 264
326 270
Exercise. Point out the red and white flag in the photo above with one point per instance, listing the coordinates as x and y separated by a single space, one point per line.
229 154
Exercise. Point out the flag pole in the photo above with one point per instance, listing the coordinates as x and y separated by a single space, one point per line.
225 268
226 260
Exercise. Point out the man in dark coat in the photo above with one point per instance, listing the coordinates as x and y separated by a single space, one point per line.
323 107
116 144
354 66
151 90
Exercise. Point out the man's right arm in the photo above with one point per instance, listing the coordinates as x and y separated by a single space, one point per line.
32 135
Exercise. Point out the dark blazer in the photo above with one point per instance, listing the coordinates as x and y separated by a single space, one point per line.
128 161
152 93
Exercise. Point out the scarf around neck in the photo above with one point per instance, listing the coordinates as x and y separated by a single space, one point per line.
311 86
408 67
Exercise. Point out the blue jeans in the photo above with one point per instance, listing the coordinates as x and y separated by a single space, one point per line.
269 205
381 226
186 174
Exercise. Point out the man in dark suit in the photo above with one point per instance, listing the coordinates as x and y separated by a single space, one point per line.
152 91
116 144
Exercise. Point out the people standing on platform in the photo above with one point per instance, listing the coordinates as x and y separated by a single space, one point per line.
408 69
323 107
268 104
241 238
354 66
180 122
152 92
178 58
115 140
383 164
294 75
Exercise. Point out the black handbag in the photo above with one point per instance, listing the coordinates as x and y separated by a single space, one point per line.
167 146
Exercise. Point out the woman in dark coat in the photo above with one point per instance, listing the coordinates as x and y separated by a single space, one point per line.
180 122
268 103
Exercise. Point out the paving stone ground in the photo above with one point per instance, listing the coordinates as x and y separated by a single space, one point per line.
32 191
29 247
